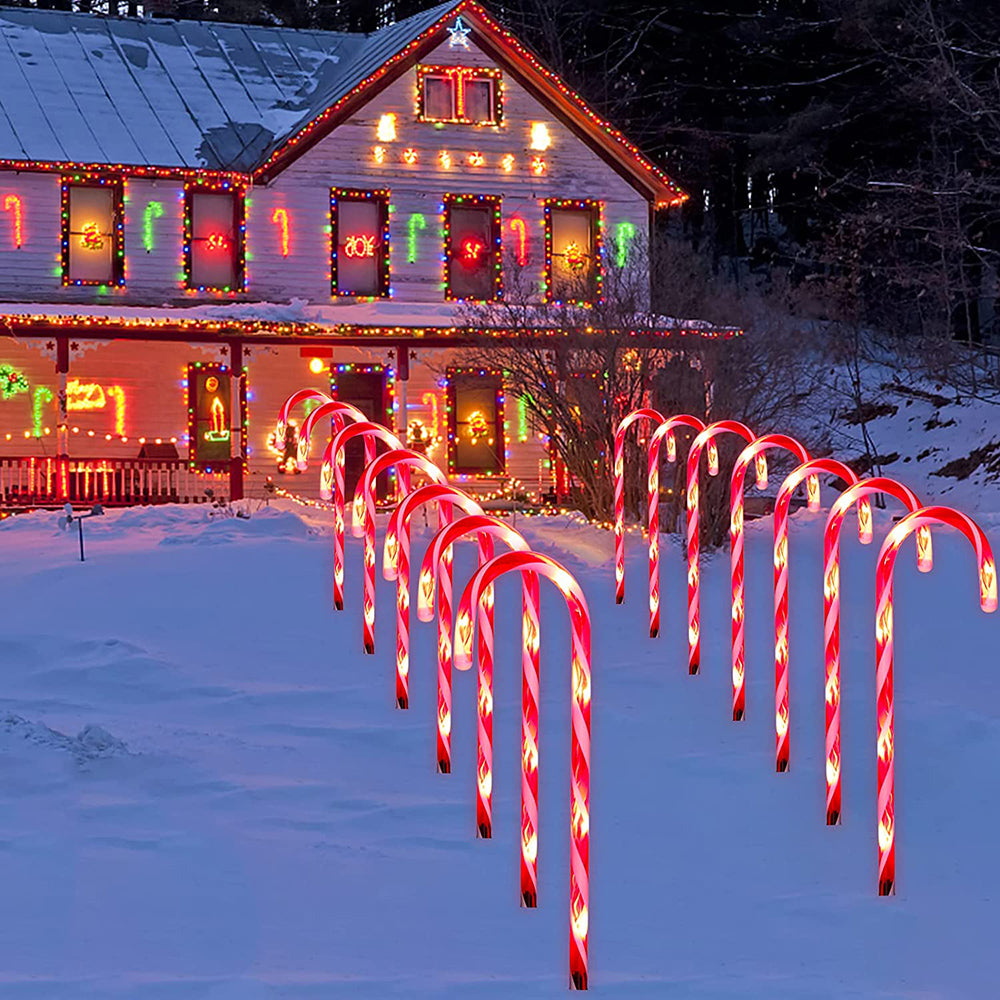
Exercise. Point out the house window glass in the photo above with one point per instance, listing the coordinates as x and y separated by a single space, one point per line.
361 246
574 264
92 235
479 100
476 439
472 250
439 97
215 241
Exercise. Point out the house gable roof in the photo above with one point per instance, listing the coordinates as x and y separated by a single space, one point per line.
166 95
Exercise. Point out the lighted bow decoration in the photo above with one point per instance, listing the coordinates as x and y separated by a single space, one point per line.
653 417
396 566
333 409
753 452
665 430
363 523
530 562
332 474
856 494
299 396
810 472
987 578
693 501
437 560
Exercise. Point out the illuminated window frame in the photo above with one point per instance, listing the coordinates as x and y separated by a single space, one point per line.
117 186
489 201
388 374
596 209
381 197
459 76
454 375
192 188
210 367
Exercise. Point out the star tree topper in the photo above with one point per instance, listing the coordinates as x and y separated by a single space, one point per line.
459 32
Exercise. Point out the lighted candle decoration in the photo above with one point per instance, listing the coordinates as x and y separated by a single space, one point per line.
530 562
665 430
885 745
437 562
856 494
335 410
707 438
12 204
297 397
447 498
363 523
754 452
650 416
386 129
809 472
332 473
280 218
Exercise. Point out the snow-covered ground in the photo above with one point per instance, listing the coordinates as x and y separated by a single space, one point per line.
206 792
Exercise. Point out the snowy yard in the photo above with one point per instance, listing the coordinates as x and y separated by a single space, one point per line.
254 819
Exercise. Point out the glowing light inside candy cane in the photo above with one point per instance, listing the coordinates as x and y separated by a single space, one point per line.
529 562
706 438
335 410
859 494
885 742
752 453
810 472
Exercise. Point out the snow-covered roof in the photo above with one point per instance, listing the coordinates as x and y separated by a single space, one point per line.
80 88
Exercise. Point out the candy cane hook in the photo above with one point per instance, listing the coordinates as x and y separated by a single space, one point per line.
299 396
335 410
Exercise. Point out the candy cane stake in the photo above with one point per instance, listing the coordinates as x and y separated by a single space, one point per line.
335 410
810 472
447 498
530 562
652 416
706 437
299 396
753 452
486 529
332 475
885 747
665 430
859 494
363 522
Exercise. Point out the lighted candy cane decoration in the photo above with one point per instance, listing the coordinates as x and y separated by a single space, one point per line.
299 396
520 231
12 204
437 557
655 417
447 498
280 218
859 494
665 430
579 877
885 746
337 411
332 475
693 500
363 522
810 472
753 452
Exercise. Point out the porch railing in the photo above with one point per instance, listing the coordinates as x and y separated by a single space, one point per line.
51 482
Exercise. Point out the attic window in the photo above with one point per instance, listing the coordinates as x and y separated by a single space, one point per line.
469 95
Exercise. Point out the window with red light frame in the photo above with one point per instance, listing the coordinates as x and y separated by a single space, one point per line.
472 247
359 262
475 423
468 95
573 259
215 247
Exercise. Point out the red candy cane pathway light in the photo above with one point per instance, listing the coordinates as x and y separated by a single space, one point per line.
665 430
651 416
705 437
334 410
810 472
447 498
363 522
530 562
859 494
486 529
753 452
332 474
885 744
299 396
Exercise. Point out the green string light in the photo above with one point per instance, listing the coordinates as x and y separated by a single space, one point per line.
154 210
42 395
624 232
416 223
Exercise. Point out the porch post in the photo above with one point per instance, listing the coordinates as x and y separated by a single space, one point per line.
239 446
62 426
402 377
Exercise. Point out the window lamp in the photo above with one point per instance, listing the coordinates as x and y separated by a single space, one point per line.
214 239
472 247
360 243
475 422
469 95
92 241
572 251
